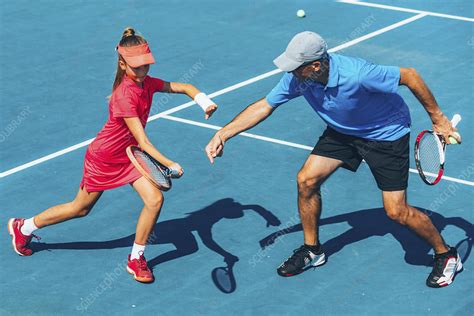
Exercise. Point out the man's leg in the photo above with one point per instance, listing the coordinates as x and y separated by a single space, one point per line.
447 261
314 172
310 178
397 208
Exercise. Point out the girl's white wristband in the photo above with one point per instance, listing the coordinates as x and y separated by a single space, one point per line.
203 100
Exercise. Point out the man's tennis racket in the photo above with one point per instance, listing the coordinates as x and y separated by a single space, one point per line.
152 170
430 149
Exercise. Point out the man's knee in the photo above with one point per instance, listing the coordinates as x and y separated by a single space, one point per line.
398 213
309 182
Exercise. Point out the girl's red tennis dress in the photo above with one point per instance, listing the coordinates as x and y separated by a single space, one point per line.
106 165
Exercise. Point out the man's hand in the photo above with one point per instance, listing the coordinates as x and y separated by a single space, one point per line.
215 148
210 110
248 118
443 126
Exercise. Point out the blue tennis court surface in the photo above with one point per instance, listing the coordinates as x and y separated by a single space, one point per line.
58 64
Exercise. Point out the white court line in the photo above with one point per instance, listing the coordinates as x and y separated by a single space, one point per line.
389 7
46 158
215 127
378 32
290 144
215 94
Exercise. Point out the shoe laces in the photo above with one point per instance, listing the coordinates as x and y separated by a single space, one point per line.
299 253
35 236
29 237
142 261
439 262
438 265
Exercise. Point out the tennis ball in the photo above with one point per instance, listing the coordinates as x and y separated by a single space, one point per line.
453 140
300 13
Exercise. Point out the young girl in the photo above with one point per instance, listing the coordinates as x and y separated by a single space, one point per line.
106 165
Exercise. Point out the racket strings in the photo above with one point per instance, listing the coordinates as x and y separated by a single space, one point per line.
429 156
149 165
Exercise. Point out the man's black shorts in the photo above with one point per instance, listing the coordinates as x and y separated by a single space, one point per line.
388 160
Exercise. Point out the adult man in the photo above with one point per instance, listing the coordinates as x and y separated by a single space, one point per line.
367 120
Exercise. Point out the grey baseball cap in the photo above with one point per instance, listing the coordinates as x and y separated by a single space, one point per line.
304 47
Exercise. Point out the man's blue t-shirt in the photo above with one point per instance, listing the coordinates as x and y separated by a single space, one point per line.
360 98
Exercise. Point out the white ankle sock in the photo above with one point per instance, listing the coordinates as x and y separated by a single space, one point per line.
28 227
137 250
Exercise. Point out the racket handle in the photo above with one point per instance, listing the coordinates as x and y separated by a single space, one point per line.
173 173
456 119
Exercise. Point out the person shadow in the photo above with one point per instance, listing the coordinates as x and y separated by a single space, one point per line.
375 222
179 232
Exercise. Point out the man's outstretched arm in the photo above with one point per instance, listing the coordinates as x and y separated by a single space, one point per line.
248 118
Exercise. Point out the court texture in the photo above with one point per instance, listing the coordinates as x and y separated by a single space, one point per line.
237 218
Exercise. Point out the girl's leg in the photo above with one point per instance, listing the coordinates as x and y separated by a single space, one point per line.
21 230
152 200
79 207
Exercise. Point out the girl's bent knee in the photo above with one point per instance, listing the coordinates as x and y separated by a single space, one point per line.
155 202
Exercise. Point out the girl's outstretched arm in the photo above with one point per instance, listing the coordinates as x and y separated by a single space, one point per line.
135 126
191 91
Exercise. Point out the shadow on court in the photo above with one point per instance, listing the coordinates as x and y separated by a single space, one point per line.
364 224
179 232
374 222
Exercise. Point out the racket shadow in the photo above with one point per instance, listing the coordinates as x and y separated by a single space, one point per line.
464 248
223 277
374 222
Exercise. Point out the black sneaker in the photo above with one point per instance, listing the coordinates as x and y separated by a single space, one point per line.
446 265
301 259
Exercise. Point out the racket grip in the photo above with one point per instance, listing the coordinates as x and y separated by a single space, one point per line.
456 119
173 173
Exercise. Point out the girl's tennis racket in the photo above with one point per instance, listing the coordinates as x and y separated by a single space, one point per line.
150 168
430 149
